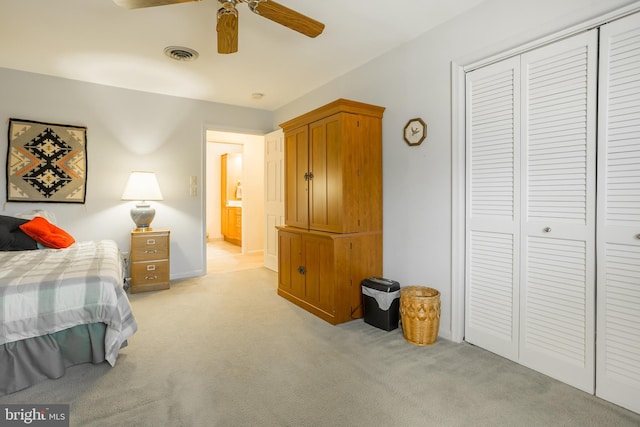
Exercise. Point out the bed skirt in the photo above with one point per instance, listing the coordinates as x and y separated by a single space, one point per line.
27 362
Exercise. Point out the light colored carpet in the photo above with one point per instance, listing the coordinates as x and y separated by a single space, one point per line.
224 257
225 350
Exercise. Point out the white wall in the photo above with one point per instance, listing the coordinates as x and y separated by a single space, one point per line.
128 130
415 81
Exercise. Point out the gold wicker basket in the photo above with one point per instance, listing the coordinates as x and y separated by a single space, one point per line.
420 314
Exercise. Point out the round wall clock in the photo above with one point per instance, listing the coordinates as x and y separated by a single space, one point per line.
415 131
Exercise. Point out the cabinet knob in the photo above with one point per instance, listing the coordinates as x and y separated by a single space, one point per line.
301 270
546 229
638 236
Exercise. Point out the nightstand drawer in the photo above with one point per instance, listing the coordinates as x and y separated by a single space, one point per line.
150 272
149 247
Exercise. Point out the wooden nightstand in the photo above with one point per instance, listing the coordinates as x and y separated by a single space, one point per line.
149 260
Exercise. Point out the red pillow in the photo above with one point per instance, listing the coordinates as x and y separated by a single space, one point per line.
42 231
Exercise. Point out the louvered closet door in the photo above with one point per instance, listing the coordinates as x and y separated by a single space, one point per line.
492 200
557 288
618 343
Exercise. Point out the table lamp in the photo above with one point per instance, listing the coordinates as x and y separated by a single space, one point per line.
142 187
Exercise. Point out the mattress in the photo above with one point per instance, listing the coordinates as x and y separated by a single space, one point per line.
49 290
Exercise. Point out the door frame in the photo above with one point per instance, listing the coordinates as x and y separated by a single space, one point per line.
232 136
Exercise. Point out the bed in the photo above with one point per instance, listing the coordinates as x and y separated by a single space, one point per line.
59 308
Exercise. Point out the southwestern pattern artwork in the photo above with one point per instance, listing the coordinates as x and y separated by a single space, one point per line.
46 162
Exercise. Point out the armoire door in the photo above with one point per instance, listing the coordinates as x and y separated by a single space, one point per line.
296 170
557 276
290 279
318 260
325 165
618 338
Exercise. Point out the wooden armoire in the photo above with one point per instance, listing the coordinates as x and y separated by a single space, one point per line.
332 237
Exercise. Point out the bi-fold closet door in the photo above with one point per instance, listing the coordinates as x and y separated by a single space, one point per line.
534 224
531 130
618 234
558 160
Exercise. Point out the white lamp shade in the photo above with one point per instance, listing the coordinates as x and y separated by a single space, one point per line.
142 186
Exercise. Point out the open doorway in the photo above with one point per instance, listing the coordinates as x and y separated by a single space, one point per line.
239 204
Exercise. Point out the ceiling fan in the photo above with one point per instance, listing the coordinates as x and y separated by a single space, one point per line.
227 27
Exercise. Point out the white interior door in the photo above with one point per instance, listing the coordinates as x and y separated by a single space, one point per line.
493 207
273 195
618 345
557 280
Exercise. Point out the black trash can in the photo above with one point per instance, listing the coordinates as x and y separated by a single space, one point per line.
381 302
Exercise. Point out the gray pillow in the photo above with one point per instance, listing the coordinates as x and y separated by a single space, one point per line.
12 238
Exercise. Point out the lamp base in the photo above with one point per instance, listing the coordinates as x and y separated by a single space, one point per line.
142 215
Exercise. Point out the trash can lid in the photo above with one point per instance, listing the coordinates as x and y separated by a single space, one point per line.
381 284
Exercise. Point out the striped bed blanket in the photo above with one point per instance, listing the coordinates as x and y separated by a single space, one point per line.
49 290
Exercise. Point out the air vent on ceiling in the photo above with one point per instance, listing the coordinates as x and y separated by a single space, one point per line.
180 53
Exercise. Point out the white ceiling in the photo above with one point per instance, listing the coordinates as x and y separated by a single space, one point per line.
97 41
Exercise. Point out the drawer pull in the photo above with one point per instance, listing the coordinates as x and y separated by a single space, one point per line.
151 241
151 268
150 277
151 251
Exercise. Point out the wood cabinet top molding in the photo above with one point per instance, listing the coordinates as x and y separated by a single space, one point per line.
338 106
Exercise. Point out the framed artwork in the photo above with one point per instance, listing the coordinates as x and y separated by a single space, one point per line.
415 131
46 162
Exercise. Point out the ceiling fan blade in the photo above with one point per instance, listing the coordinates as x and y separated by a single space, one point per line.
137 4
227 30
289 18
